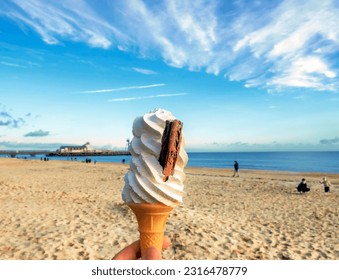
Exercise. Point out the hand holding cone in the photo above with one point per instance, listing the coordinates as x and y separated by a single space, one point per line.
152 222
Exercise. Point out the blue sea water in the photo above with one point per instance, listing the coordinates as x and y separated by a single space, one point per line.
326 162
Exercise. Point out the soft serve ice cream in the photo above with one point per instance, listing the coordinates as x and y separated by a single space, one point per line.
144 181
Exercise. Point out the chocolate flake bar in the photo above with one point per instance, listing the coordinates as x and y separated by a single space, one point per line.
170 147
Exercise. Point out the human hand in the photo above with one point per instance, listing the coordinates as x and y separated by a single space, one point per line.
133 252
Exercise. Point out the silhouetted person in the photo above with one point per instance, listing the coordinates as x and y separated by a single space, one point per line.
302 187
236 168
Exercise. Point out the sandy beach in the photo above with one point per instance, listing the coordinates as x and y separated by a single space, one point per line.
73 210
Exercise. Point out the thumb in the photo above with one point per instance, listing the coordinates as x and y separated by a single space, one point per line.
152 253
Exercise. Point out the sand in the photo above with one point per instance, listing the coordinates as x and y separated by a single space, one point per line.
73 210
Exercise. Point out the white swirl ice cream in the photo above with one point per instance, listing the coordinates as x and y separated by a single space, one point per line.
144 180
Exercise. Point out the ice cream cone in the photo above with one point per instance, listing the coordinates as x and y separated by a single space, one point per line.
152 222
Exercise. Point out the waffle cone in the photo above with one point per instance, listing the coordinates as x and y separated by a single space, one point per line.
152 222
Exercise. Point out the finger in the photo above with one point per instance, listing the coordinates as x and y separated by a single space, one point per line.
131 252
152 254
166 243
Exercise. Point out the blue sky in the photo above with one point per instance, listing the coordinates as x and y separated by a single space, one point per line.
241 75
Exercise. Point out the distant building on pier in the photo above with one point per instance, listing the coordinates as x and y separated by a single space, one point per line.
75 149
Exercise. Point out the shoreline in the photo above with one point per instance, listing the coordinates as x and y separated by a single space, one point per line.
74 211
327 174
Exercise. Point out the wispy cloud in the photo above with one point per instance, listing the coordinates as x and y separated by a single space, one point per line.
235 144
57 20
145 97
11 64
37 133
123 88
330 141
289 48
271 45
6 119
144 71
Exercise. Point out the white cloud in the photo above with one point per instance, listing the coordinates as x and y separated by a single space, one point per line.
144 71
197 22
122 88
55 21
289 47
97 40
313 64
145 97
306 72
11 64
277 45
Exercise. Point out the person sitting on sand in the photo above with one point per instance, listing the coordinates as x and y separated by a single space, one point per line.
326 184
302 187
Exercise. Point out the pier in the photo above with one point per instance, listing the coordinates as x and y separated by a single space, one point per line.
13 154
31 153
89 153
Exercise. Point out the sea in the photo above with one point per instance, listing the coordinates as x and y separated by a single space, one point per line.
326 162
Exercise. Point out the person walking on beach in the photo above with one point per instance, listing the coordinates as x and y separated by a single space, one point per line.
236 169
326 184
302 187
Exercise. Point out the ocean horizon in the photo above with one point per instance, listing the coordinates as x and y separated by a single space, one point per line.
326 162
